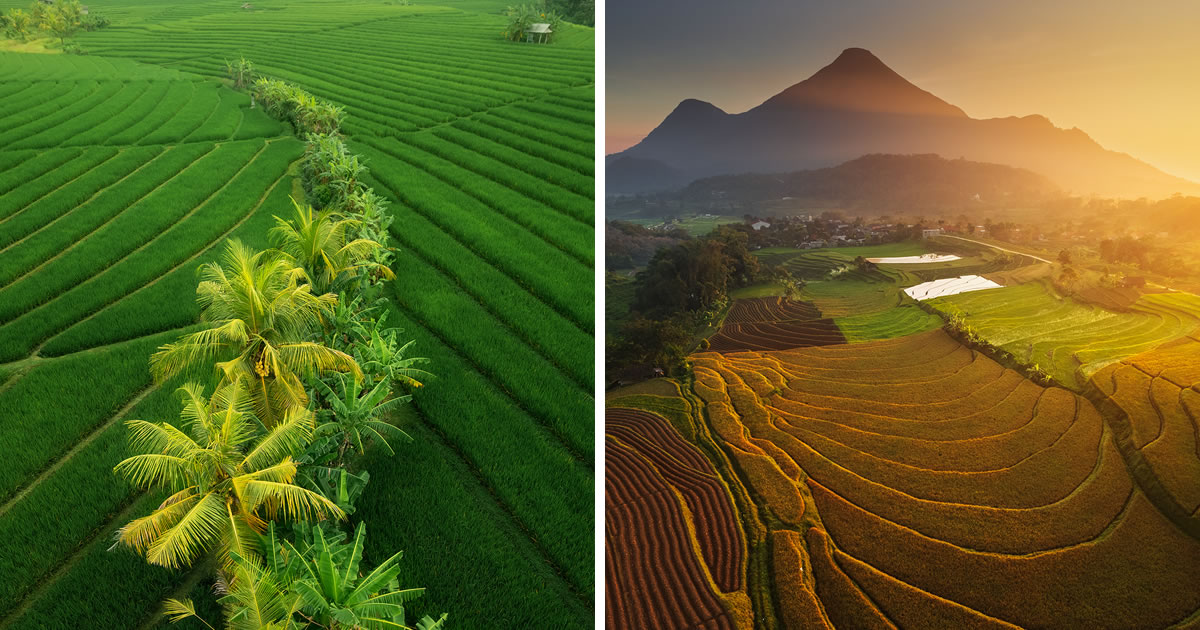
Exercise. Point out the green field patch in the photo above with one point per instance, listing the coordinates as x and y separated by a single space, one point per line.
1069 339
893 322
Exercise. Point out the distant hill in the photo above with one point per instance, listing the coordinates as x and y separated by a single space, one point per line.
856 106
884 182
643 175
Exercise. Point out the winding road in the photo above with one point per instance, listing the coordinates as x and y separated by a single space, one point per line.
996 247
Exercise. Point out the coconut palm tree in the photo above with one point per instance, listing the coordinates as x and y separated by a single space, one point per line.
319 243
258 309
227 474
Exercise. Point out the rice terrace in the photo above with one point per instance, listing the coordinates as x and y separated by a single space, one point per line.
293 268
985 451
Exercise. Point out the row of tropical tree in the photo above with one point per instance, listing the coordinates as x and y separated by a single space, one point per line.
289 380
59 18
307 113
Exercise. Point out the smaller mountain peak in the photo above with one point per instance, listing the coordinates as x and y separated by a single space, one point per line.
693 110
696 105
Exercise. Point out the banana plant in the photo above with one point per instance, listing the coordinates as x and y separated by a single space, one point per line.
336 596
382 357
355 416
315 582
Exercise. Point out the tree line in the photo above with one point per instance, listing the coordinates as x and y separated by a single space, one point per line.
58 18
288 381
684 288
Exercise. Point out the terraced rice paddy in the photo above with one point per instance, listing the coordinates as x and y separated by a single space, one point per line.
904 480
123 170
773 323
934 488
663 504
1069 339
1158 392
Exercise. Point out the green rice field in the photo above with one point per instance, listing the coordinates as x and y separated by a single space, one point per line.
1069 339
123 170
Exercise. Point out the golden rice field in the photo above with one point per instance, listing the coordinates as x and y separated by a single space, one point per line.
1157 395
913 482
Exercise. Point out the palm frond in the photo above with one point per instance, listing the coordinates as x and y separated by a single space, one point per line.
308 355
158 437
177 610
288 438
140 533
191 535
289 500
198 347
155 469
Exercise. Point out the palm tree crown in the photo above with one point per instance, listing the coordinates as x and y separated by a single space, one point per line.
320 243
257 308
227 474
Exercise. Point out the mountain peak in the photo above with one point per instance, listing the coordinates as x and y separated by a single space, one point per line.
858 81
857 60
694 111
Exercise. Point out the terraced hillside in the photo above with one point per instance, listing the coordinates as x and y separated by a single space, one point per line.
663 504
1069 339
773 323
139 162
934 488
1157 394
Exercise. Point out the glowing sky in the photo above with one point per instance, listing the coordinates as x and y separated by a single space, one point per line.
1127 73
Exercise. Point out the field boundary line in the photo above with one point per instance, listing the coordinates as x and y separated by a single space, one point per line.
506 510
85 201
79 445
91 168
1095 540
1097 468
999 248
100 272
454 281
213 112
40 359
559 187
539 420
166 122
490 260
206 248
53 100
93 100
149 84
31 595
914 587
376 145
154 617
788 426
101 226
140 95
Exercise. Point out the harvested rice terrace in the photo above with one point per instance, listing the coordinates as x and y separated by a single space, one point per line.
663 503
124 170
904 480
934 488
773 323
1156 395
